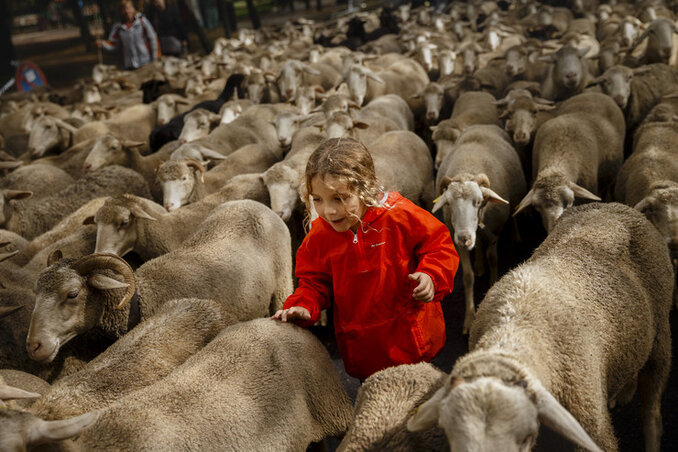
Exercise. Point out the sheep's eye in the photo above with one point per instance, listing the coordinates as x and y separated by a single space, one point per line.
73 293
184 178
124 222
476 203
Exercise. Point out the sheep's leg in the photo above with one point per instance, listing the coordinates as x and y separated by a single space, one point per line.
467 268
492 260
478 256
651 383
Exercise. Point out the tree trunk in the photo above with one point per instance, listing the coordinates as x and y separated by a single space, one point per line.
85 35
6 46
254 16
232 18
223 15
193 22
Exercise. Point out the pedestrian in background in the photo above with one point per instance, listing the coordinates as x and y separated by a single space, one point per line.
134 36
167 22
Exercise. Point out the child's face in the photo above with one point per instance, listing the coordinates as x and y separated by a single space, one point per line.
335 204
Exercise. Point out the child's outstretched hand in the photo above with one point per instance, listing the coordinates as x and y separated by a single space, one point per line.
293 313
425 290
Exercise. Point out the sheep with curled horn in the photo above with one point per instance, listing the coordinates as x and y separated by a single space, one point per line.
546 350
216 262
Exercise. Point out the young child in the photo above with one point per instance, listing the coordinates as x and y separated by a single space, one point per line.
381 262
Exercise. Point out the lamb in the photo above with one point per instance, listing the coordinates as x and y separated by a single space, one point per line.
384 402
148 353
131 223
469 109
558 339
478 182
46 212
186 181
235 239
229 403
576 154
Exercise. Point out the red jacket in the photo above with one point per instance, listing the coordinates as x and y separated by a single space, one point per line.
377 321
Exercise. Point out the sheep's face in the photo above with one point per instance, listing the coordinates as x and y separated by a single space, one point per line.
285 124
357 84
44 136
433 98
335 103
568 70
339 125
660 40
91 95
289 79
107 150
616 83
521 124
446 62
61 311
464 201
177 182
470 61
167 109
661 208
197 125
482 415
116 230
7 207
515 62
305 101
282 183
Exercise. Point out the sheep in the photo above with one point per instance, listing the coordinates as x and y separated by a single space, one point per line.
438 102
292 71
40 179
11 241
169 105
568 75
42 215
648 180
478 182
659 36
64 228
133 123
405 77
235 239
638 90
558 339
469 109
186 181
576 154
131 223
384 402
253 126
150 352
229 403
24 381
163 134
13 330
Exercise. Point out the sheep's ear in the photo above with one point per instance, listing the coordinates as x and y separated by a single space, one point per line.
12 393
360 125
426 416
643 205
439 202
139 212
552 414
526 201
482 180
49 431
581 192
444 183
54 257
5 256
89 220
132 144
101 282
17 194
415 96
7 310
491 196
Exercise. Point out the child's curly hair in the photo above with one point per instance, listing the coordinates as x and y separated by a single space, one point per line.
350 162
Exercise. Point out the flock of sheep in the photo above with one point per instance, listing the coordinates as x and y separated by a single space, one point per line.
190 168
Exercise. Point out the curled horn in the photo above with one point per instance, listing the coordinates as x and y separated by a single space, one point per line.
113 262
192 163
